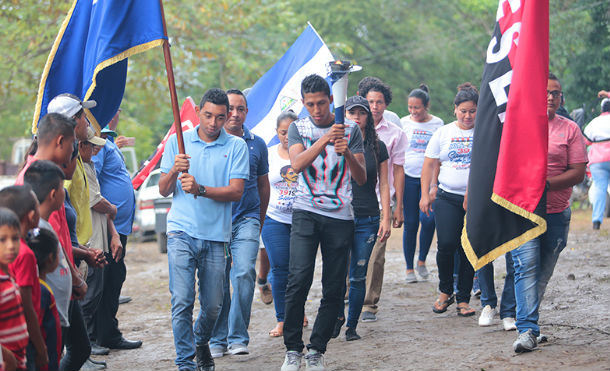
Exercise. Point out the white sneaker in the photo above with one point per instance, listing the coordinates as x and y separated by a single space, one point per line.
526 342
292 361
314 361
218 352
510 324
238 349
487 316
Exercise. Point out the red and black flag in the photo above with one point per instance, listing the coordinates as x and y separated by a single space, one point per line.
506 198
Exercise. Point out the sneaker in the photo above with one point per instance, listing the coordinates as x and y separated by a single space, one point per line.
368 317
542 339
238 349
351 334
266 294
314 361
596 225
411 277
203 358
526 342
337 329
487 316
218 352
423 272
509 323
292 361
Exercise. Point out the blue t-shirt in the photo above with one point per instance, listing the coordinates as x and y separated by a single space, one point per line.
213 165
115 185
250 204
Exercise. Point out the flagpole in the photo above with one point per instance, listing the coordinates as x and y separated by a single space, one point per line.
172 84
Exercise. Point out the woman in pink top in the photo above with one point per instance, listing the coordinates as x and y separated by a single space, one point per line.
597 134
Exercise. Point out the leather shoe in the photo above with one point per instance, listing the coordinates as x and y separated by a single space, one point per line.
205 362
90 366
124 299
126 344
97 350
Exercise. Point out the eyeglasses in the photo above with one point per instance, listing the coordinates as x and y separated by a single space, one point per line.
554 93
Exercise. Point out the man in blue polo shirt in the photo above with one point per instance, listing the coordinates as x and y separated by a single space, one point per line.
204 182
231 331
116 187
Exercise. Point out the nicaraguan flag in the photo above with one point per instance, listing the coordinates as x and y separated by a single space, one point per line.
280 88
89 55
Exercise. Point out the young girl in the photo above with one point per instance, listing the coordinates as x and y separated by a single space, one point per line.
13 329
45 246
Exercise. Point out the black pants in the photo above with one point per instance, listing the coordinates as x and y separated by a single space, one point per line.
335 237
107 331
89 305
449 217
75 339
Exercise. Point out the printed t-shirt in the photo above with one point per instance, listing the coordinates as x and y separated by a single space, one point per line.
453 147
566 147
365 200
418 135
213 165
249 206
25 271
60 281
13 328
283 181
324 186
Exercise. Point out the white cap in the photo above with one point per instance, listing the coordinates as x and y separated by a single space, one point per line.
68 105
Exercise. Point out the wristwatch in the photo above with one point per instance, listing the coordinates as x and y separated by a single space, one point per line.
202 190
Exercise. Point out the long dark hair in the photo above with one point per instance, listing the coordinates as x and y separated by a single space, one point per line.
370 137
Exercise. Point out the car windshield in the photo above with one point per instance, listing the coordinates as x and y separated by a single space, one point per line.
153 180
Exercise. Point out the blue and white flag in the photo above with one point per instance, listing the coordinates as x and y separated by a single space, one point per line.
89 55
280 88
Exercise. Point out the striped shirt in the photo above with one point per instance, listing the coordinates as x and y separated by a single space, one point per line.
13 329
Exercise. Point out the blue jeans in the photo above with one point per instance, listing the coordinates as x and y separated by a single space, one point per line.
488 289
413 218
186 255
600 172
234 319
365 235
534 264
276 237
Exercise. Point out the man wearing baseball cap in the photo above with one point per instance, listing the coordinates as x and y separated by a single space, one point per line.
69 105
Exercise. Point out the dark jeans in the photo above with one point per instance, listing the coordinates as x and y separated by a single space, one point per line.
449 216
75 339
89 305
276 237
107 331
335 237
413 218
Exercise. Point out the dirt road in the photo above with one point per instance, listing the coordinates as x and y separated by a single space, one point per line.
407 336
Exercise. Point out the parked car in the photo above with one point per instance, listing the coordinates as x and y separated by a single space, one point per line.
145 219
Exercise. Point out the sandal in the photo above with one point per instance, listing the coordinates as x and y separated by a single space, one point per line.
277 331
444 305
465 310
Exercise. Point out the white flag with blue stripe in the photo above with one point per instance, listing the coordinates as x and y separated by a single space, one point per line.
280 88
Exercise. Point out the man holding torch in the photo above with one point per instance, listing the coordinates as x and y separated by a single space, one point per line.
322 214
204 182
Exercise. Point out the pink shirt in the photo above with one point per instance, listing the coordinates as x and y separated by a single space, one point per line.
396 142
566 147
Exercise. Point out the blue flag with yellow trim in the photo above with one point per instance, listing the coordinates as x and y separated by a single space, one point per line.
89 55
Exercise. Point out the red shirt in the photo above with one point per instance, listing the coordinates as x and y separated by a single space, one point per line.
13 329
25 271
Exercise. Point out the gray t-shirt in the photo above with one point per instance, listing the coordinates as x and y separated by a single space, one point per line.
324 187
60 280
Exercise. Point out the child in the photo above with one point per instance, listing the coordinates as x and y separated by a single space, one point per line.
13 328
45 245
22 201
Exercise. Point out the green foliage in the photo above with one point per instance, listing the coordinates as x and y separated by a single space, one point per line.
231 43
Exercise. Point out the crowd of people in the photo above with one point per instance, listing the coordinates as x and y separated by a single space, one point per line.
336 187
64 232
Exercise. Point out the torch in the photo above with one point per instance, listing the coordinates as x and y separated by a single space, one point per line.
339 71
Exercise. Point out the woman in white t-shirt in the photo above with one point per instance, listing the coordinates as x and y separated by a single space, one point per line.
443 188
278 222
419 127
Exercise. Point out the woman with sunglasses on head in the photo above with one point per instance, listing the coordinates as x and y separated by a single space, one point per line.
419 126
443 189
368 224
